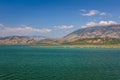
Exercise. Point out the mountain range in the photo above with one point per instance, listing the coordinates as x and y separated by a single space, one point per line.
109 34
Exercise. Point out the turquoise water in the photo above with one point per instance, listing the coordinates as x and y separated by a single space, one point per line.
25 63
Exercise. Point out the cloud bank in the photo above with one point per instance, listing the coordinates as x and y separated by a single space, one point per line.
100 23
92 13
21 31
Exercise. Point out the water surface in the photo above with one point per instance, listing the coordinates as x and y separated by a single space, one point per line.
25 63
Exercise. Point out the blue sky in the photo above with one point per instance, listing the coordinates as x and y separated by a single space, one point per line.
55 18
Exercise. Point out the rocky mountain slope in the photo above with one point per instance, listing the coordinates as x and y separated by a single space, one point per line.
111 31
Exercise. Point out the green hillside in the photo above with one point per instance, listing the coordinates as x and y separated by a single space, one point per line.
100 41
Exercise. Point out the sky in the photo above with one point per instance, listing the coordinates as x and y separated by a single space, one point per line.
55 18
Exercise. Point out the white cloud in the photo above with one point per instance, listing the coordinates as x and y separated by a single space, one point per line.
90 24
103 14
64 27
100 23
105 23
1 25
22 31
92 13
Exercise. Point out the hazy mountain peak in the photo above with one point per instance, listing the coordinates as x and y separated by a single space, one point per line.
16 40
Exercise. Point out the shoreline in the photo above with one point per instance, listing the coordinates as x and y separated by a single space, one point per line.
76 46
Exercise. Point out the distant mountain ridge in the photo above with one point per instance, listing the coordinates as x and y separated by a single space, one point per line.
16 40
111 31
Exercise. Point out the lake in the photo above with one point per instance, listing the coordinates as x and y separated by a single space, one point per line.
19 62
